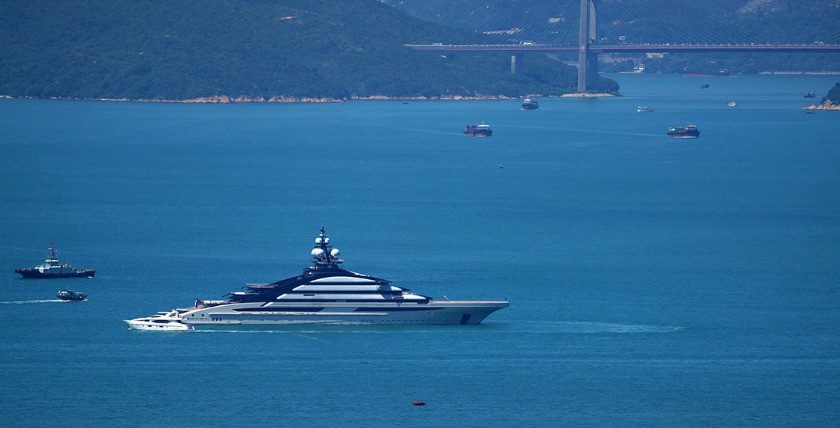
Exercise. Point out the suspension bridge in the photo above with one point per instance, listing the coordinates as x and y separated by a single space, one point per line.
589 46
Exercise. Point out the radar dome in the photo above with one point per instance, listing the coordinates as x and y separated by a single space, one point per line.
318 240
334 252
317 252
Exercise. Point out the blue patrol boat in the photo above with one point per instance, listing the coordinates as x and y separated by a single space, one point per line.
51 268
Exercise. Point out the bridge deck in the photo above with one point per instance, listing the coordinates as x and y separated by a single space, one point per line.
648 47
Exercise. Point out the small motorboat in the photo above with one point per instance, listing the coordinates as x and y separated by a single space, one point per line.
419 403
732 104
72 296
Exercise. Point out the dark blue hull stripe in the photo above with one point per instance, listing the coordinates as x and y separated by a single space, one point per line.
288 299
395 309
365 309
279 309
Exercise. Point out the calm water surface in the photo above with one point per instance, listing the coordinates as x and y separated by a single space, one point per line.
652 281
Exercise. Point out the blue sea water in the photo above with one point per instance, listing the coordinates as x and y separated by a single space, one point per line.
651 281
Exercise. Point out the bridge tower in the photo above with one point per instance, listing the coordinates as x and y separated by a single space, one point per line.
587 60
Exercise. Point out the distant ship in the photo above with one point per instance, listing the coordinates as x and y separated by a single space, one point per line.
811 94
51 268
704 86
732 104
687 131
720 73
636 70
323 294
482 130
643 109
70 295
529 104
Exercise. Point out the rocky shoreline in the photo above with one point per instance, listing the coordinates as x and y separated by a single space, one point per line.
587 95
827 105
224 99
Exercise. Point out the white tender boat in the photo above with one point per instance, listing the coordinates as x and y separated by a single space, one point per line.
162 321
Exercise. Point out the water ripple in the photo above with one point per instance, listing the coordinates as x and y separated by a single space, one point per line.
24 302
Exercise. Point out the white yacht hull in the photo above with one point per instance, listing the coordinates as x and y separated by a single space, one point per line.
157 324
336 313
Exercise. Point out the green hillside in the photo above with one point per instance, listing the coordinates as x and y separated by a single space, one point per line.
185 49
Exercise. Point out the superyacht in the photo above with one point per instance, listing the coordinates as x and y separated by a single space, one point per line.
328 294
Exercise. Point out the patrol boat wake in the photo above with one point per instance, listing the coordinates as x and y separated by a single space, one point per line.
328 294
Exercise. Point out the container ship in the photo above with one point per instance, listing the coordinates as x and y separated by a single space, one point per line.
529 104
482 130
687 131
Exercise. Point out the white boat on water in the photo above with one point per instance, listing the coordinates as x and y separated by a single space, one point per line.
162 321
325 294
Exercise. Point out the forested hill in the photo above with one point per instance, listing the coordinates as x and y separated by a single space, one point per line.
185 49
